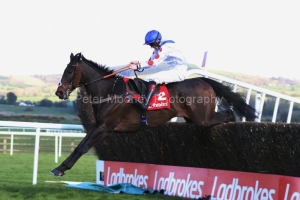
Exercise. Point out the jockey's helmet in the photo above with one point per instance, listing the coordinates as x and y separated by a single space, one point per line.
152 37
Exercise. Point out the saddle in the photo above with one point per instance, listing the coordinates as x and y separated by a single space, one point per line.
136 88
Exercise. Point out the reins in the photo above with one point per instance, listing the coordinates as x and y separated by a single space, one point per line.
107 76
112 74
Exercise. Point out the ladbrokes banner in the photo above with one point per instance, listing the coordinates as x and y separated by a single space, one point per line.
193 183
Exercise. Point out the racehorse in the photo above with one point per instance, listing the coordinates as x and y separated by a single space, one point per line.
101 84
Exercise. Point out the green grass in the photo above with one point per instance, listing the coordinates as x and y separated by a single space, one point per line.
16 180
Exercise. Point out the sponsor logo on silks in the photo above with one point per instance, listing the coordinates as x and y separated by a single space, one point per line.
159 101
157 105
162 96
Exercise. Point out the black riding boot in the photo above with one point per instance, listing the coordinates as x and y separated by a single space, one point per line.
150 92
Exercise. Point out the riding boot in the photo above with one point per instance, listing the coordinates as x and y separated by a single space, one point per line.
150 92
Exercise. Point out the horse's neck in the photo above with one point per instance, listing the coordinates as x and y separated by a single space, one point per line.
98 89
101 88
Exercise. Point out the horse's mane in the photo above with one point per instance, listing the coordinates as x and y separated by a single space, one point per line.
103 69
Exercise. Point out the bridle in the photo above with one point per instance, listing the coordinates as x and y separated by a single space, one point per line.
75 81
106 76
77 76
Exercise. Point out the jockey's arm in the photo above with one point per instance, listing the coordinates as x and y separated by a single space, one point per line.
155 59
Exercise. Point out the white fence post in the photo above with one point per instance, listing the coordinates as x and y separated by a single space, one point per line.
59 146
275 109
262 105
257 105
56 148
290 112
36 155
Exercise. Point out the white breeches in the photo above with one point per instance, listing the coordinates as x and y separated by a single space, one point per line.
176 74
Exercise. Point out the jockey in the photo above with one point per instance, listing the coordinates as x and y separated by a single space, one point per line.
163 51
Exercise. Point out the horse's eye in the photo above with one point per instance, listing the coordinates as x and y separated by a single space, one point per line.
59 84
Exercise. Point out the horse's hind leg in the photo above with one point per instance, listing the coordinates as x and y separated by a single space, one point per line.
201 117
224 117
83 147
218 118
206 115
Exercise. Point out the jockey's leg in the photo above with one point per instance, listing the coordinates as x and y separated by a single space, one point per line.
150 92
170 76
174 75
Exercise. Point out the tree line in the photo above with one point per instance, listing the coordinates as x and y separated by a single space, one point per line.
11 99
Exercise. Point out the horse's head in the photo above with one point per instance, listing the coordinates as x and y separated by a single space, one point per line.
71 77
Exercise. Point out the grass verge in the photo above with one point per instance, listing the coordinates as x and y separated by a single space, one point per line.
16 180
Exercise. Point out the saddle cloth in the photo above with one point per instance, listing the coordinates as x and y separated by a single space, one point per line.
136 87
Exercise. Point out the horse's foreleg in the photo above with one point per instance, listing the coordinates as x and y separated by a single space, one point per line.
83 147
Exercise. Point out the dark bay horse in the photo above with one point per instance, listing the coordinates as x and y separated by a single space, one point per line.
119 116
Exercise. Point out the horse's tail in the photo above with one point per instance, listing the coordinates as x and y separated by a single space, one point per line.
235 99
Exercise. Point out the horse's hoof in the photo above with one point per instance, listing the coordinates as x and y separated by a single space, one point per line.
56 172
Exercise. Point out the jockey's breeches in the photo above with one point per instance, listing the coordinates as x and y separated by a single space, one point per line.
175 74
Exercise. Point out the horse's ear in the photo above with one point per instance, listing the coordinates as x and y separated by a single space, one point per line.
71 56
